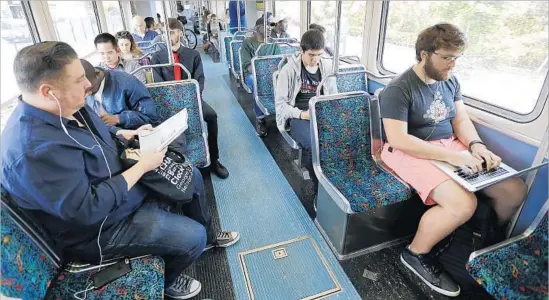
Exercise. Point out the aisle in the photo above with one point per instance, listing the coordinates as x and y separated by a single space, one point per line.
257 201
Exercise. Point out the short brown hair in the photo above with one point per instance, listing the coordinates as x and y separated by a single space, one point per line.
43 61
174 23
440 36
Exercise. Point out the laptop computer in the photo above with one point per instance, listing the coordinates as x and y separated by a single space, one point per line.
477 181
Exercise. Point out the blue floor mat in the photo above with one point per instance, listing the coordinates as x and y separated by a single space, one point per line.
256 200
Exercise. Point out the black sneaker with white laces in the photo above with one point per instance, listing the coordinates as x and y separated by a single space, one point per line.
184 287
223 239
430 271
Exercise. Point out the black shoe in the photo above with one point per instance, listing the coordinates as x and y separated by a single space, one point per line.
431 272
184 287
261 128
223 239
219 170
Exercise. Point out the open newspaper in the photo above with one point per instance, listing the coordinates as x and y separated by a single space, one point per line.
162 135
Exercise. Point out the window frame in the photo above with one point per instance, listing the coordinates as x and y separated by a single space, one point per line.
468 100
27 10
35 35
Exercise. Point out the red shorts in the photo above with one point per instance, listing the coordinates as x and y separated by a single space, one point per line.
419 173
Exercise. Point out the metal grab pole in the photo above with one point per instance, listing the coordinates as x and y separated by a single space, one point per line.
264 21
238 13
337 31
167 31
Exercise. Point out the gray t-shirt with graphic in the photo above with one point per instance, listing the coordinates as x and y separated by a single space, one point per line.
428 109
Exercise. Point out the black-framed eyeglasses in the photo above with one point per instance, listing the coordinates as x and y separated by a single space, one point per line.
447 58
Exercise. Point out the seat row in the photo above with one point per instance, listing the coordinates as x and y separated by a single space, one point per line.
31 266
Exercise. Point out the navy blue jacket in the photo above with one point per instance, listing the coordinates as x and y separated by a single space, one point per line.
124 95
189 58
66 186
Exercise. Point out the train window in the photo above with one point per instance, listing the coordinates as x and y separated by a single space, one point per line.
15 34
75 23
113 14
353 16
506 61
291 11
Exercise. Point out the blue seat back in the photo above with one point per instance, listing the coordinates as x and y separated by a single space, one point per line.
287 49
342 137
263 69
517 268
343 131
27 270
239 37
352 82
173 96
235 57
227 42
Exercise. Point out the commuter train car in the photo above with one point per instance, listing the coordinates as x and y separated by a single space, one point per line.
341 150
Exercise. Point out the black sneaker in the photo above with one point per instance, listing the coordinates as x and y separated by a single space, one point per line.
261 128
430 271
219 170
224 239
184 287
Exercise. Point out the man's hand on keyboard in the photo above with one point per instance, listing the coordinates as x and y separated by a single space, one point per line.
489 159
466 162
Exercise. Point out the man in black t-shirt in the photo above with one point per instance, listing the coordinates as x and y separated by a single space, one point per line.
296 85
425 119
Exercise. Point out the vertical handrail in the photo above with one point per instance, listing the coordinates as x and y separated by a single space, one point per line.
167 31
265 22
238 13
337 31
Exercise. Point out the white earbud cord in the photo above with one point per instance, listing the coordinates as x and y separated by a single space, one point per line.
90 286
87 126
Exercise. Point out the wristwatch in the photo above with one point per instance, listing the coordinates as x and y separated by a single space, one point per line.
475 142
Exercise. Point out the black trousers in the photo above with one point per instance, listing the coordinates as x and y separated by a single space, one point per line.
210 117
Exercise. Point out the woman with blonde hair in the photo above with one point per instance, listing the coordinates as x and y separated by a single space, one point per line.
127 45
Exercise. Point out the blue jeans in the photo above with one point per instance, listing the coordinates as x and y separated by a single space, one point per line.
300 130
156 228
249 79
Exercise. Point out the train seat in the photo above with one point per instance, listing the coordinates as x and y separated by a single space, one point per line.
173 96
32 268
516 268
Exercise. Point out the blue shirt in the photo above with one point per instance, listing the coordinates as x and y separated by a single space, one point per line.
124 95
149 36
65 186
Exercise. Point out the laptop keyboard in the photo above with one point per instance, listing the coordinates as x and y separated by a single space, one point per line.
482 175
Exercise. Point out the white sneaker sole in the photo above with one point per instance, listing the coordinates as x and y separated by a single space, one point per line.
189 296
224 245
437 289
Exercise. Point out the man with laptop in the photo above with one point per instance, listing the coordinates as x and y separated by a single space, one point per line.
425 122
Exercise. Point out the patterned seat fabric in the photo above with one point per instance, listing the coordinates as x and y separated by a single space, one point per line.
351 82
517 270
286 40
228 40
26 272
235 46
264 69
170 99
239 37
344 146
144 281
287 49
